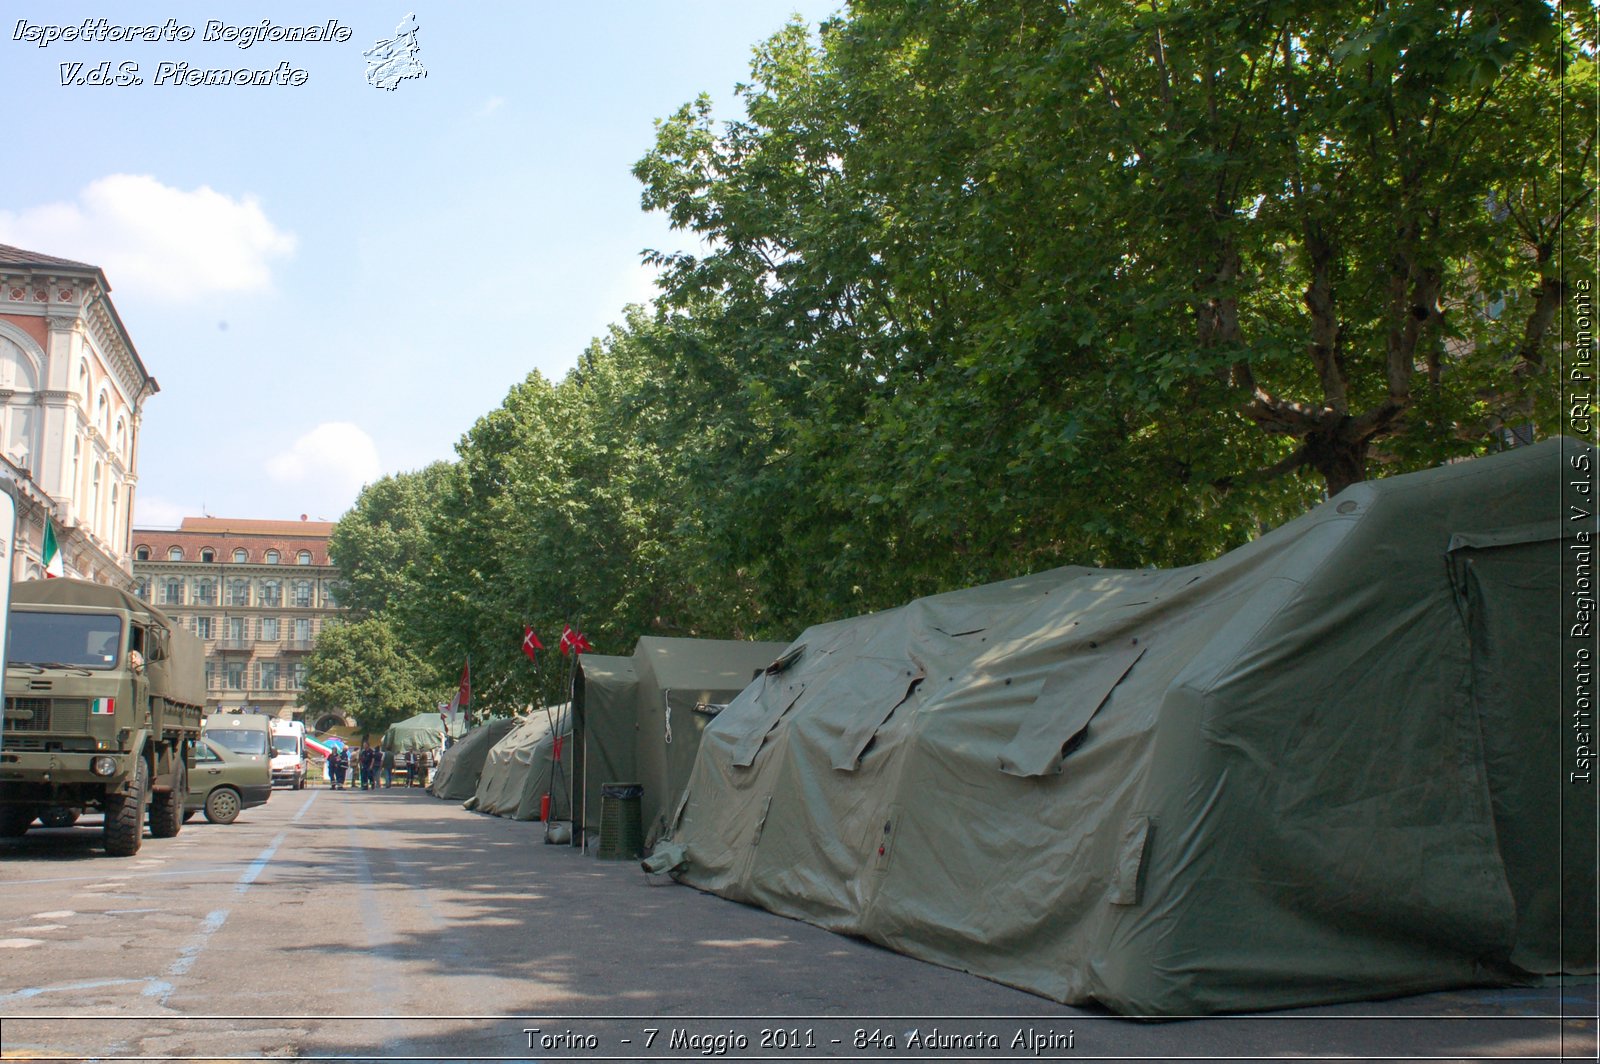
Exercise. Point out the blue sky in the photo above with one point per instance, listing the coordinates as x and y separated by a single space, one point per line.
331 281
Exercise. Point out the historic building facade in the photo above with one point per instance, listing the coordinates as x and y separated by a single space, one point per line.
256 592
72 393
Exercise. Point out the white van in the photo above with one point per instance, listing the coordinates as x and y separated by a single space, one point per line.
289 753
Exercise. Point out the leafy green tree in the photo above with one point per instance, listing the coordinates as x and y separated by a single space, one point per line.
362 669
378 542
995 286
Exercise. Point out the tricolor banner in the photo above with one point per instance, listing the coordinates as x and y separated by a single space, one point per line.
54 564
104 707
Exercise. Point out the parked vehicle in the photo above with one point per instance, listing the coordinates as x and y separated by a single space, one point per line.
103 700
247 734
289 753
224 783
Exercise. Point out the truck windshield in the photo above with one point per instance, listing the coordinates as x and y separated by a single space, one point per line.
286 744
78 640
239 740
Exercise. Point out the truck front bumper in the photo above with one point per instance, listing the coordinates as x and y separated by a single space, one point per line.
57 767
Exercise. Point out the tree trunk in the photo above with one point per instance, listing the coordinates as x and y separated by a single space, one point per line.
1340 459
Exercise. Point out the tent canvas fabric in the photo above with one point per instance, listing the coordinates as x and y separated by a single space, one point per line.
1326 766
518 772
424 731
639 719
459 767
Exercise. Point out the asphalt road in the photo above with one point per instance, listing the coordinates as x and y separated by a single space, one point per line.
391 925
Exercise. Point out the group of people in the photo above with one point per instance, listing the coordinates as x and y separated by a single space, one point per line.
368 763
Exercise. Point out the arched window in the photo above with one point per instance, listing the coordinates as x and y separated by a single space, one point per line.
102 416
141 586
119 439
271 557
174 554
94 495
241 555
207 554
141 554
303 558
113 511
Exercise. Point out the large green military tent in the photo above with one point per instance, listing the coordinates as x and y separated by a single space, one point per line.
459 767
638 719
521 769
420 732
1331 765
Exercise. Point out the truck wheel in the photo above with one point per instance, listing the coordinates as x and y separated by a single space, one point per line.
124 829
15 820
59 816
223 805
166 810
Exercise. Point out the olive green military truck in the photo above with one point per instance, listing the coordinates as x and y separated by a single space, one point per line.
103 701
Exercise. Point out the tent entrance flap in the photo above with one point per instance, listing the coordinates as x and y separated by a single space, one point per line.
1071 695
744 755
895 684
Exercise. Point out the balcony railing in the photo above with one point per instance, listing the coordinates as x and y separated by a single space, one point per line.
234 644
298 644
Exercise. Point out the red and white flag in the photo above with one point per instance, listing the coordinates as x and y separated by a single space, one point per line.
530 642
461 701
573 642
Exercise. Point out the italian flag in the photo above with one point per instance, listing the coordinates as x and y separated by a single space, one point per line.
53 563
104 707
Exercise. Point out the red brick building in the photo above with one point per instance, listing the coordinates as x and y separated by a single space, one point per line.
256 592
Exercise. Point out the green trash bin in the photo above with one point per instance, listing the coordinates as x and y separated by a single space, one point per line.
621 823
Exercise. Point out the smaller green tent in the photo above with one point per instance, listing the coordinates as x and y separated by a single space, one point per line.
639 719
457 775
425 731
518 771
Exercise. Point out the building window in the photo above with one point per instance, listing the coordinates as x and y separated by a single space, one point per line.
235 671
271 557
271 593
172 591
303 558
141 554
202 627
238 592
297 675
269 676
302 629
174 554
205 592
235 631
94 495
211 676
208 555
269 629
302 593
114 536
241 555
141 588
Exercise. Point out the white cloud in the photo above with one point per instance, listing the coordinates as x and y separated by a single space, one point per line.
331 462
491 105
157 240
